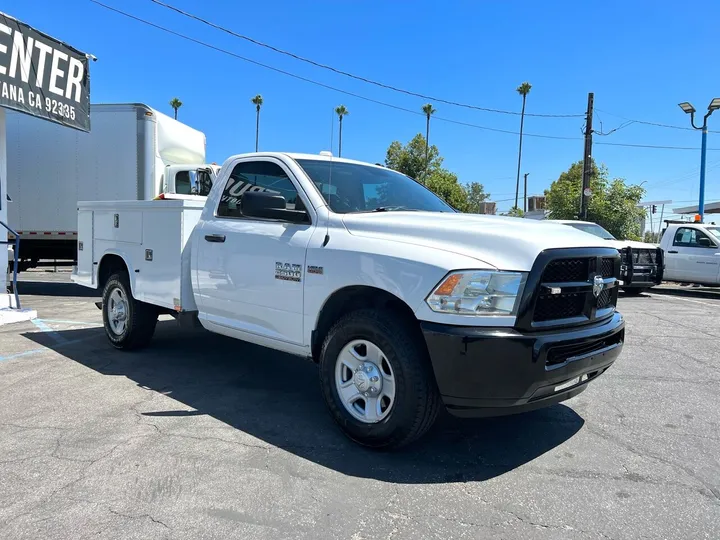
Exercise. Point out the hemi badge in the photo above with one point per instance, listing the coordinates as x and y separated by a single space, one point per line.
555 290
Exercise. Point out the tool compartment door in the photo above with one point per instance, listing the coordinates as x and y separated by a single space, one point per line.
85 246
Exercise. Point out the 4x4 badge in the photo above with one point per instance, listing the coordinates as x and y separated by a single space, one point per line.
598 285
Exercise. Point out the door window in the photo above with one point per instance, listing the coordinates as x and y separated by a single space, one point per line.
715 231
182 183
256 176
687 237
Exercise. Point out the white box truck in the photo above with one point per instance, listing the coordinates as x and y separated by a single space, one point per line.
132 152
405 304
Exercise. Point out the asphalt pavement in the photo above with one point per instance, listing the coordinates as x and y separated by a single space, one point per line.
200 436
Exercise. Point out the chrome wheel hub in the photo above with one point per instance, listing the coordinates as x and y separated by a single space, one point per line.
368 379
117 311
365 381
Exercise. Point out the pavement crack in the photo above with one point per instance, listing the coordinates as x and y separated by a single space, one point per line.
267 448
552 527
707 490
140 516
28 428
399 514
676 323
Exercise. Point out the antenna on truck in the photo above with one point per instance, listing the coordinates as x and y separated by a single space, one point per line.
325 153
327 221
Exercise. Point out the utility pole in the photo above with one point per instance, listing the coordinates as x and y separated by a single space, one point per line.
587 158
525 194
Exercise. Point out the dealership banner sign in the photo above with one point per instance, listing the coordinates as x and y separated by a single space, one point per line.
42 76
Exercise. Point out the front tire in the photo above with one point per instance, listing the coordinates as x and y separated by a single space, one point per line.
377 380
129 324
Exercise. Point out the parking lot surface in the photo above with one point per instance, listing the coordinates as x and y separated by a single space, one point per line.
201 436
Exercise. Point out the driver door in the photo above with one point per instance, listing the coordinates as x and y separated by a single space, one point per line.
695 256
250 270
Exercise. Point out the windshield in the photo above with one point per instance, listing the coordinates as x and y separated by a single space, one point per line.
593 228
362 188
715 231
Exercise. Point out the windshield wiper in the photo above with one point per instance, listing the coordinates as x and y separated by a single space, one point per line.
393 208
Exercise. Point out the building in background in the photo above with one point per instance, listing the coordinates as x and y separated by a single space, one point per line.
488 208
536 207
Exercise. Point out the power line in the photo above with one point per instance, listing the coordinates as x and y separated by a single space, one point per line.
317 83
695 200
686 176
656 124
458 122
351 75
359 96
255 62
605 134
654 146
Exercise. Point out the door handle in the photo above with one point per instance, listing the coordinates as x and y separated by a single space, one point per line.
215 237
668 251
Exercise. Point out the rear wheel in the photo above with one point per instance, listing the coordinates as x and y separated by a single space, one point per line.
129 324
377 380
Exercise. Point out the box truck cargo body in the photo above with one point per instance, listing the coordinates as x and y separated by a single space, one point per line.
132 152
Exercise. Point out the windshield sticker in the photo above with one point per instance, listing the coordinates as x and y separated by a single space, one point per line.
235 189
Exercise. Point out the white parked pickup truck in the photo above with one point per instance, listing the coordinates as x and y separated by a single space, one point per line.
642 264
692 253
403 302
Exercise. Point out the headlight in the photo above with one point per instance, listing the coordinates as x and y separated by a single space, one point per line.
478 292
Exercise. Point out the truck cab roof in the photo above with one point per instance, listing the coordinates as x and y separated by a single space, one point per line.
298 155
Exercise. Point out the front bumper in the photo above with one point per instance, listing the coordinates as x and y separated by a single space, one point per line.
495 371
636 274
643 276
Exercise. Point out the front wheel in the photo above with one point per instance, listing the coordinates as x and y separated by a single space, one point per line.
377 380
129 324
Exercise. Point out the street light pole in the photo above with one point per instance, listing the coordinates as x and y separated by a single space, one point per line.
689 109
703 154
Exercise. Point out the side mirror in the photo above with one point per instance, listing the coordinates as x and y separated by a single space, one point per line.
201 182
265 205
704 242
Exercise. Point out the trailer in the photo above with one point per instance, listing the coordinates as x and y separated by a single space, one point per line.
132 152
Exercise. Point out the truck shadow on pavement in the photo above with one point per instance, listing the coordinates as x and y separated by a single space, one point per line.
705 293
276 398
43 288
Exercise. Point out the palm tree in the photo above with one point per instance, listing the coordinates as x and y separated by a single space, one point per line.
523 90
175 103
341 111
257 101
429 111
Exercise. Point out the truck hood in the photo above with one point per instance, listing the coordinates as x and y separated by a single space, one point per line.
503 242
619 244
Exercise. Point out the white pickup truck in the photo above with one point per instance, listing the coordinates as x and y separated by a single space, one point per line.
404 303
641 265
692 253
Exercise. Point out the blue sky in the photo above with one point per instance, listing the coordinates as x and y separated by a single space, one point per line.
641 59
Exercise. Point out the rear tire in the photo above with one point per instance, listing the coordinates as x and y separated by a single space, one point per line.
129 324
368 345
